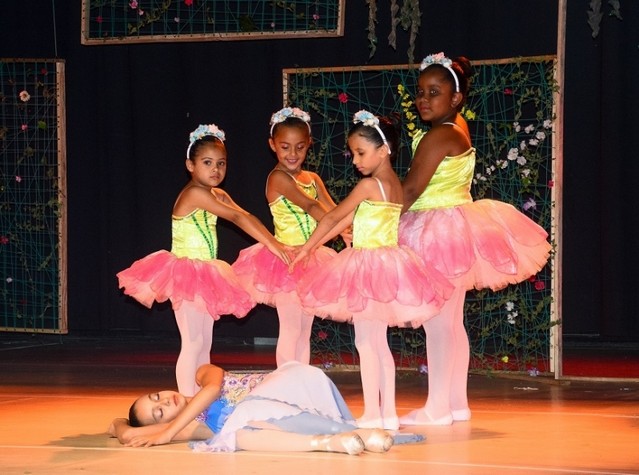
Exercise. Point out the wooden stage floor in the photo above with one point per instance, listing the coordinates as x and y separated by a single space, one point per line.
57 398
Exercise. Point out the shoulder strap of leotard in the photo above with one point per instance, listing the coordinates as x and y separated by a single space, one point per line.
455 125
381 188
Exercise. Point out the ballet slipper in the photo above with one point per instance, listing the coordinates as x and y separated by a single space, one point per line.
376 423
375 440
346 443
460 414
390 423
419 417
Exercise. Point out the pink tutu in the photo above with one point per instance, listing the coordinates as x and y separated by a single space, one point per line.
485 243
390 284
211 285
265 276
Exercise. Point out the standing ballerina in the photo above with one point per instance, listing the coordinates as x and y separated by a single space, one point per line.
475 244
376 283
200 286
297 199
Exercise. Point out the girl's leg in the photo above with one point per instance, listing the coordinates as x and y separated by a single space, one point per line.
459 380
444 358
293 342
377 369
279 441
196 336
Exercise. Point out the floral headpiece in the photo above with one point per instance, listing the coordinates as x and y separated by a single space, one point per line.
294 112
203 131
369 120
442 60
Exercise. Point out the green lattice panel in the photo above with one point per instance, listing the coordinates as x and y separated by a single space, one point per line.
510 113
125 21
32 268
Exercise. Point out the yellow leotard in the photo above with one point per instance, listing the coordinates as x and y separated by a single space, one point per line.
450 184
376 224
293 226
195 235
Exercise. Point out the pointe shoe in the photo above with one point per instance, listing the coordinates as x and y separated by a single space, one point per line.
460 414
346 443
376 440
419 417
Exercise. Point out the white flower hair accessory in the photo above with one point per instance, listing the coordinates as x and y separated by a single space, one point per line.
203 131
287 112
370 120
442 60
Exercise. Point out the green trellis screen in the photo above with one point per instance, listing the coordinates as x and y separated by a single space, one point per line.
32 196
510 111
139 21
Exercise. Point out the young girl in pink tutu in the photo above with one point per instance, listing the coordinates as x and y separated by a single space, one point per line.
376 283
200 286
481 244
297 199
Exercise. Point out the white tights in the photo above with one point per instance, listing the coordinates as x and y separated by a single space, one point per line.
196 336
377 368
294 340
448 354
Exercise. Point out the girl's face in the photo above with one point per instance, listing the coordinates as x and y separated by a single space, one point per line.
436 99
290 145
208 166
163 406
367 156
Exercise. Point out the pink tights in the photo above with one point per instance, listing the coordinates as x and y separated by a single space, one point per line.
196 336
448 354
294 340
377 368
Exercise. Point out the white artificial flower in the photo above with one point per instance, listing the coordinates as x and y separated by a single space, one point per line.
516 126
512 154
533 142
541 135
529 128
521 160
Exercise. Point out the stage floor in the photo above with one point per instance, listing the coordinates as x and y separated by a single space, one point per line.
58 396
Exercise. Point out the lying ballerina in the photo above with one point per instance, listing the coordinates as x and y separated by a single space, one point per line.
295 408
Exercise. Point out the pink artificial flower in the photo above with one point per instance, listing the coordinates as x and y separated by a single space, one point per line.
133 4
24 127
343 97
540 285
188 3
4 240
44 71
551 183
532 278
99 19
18 178
508 92
322 335
316 16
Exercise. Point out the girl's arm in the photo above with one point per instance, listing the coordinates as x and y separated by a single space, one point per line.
220 203
210 378
438 143
336 220
279 183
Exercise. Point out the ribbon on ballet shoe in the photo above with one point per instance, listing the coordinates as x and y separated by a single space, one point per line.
419 417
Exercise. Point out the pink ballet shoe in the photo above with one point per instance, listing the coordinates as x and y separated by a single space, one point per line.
346 443
376 423
375 440
419 417
460 414
390 423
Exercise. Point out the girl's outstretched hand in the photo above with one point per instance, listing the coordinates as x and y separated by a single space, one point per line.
281 251
159 438
301 255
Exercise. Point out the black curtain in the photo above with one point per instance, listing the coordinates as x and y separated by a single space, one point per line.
130 109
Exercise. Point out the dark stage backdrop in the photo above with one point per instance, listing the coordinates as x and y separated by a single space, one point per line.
130 109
